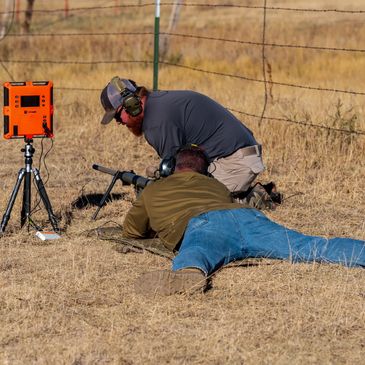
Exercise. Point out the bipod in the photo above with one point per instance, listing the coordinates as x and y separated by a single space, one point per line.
25 174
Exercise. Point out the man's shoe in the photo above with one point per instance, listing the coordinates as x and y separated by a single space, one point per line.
263 196
259 198
166 282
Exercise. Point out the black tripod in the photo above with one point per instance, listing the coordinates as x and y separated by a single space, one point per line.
24 173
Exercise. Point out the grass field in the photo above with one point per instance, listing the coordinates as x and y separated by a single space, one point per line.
72 301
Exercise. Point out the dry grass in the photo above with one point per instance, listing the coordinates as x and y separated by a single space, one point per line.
72 301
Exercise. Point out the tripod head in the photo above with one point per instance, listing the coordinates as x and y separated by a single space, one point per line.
28 149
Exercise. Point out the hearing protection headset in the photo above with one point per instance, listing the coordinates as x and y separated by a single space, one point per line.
127 88
167 166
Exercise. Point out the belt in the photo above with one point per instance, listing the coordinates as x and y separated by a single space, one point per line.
252 150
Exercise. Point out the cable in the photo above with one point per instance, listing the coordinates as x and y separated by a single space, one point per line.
38 198
45 163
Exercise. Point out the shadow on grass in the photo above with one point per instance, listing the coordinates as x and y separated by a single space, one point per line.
88 200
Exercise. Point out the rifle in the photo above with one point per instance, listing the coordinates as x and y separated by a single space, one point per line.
126 177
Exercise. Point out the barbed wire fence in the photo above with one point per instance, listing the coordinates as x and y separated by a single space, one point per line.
263 44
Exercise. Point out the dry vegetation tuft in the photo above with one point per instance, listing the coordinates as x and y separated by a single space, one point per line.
72 301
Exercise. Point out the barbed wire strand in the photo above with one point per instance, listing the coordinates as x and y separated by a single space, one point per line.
58 20
305 87
341 130
278 45
347 131
258 80
78 34
276 8
273 8
75 62
264 63
83 9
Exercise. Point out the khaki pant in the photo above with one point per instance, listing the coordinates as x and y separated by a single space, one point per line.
237 171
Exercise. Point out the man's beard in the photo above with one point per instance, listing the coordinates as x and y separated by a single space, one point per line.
136 129
134 124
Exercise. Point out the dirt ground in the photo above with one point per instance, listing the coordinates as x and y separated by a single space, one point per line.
72 300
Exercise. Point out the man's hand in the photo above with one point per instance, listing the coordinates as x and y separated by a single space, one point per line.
152 171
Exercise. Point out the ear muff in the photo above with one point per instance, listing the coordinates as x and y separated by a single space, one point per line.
167 166
131 102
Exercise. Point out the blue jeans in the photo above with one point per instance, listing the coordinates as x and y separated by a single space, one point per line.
215 238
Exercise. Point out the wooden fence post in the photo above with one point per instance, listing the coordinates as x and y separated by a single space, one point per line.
6 18
28 16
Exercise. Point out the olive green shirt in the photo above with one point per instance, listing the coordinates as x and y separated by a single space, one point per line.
167 205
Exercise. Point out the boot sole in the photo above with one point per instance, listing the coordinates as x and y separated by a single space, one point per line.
165 282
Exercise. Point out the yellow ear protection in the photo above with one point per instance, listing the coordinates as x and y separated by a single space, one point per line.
131 102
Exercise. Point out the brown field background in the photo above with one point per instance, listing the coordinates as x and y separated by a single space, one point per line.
72 301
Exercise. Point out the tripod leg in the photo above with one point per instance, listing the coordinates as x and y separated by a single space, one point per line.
45 199
13 196
105 196
25 213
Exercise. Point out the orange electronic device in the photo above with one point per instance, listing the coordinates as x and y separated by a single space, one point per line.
28 109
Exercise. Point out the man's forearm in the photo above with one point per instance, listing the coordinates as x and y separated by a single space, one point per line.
136 223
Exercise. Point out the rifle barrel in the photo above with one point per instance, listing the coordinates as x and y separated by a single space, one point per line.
128 177
106 170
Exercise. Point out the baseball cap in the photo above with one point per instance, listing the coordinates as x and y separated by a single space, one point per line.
113 96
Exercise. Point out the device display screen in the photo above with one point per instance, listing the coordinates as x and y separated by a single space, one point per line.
29 100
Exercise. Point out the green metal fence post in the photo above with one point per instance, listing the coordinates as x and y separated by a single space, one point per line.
156 46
